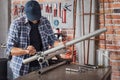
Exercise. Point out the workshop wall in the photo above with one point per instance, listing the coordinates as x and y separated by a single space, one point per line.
110 18
17 9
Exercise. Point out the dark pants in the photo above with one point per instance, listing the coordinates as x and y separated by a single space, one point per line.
33 69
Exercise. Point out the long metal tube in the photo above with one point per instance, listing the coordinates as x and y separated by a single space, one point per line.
88 46
44 70
92 34
83 18
104 21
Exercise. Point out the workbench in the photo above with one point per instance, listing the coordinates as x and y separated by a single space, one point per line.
60 73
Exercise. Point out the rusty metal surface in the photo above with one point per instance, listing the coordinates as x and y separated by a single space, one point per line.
61 74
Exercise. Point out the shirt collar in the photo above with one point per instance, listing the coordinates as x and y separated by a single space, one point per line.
26 20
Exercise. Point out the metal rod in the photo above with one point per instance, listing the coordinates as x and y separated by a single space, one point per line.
97 39
85 37
75 3
73 70
44 70
83 29
104 21
91 14
56 53
89 32
88 66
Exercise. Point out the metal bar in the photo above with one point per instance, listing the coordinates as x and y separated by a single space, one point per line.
104 21
97 39
44 70
89 32
73 70
56 53
91 14
88 66
92 34
75 3
83 28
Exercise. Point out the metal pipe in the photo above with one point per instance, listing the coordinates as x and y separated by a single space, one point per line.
46 57
88 46
83 18
92 34
44 70
75 3
104 21
55 53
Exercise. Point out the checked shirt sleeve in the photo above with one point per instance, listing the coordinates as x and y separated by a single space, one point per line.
51 36
12 37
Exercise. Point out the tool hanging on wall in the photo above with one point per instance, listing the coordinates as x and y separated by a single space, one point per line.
64 15
59 10
67 7
47 8
50 8
15 10
64 12
55 10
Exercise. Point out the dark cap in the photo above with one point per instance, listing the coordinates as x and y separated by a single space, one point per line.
32 10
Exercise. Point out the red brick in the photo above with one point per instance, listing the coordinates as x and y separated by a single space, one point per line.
109 32
101 42
115 55
116 21
102 37
116 27
115 68
116 42
117 5
115 77
109 47
101 17
115 73
106 1
102 11
111 27
101 26
117 38
101 46
118 32
106 21
113 16
112 47
115 63
110 37
108 41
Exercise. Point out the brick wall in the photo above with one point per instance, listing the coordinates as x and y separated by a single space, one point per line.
111 20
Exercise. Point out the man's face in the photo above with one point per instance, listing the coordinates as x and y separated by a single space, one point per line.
35 21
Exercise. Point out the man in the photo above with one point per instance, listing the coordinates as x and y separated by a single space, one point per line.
27 35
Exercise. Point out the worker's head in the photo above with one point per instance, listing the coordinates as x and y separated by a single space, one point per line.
33 11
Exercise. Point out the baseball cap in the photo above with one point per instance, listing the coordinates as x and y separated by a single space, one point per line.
32 10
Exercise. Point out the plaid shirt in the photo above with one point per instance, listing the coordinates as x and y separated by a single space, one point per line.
19 37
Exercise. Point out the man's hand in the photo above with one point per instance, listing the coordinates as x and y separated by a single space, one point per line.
31 50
